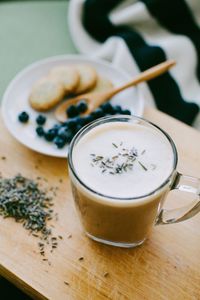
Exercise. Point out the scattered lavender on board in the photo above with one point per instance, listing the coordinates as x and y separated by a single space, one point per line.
22 199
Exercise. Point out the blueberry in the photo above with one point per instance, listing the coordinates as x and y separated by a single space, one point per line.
82 106
40 131
40 120
66 134
117 109
56 128
72 111
68 124
126 112
69 136
65 124
98 113
78 127
72 123
82 121
62 132
107 108
59 142
79 120
88 119
112 110
23 117
50 134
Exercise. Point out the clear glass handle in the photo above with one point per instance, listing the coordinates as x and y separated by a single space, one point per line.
184 184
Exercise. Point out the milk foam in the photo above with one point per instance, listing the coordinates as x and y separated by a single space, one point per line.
152 164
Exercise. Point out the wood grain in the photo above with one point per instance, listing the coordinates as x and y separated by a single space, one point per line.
167 266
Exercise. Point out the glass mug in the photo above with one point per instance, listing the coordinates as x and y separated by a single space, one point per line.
126 222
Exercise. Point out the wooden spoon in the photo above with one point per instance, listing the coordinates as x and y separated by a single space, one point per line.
94 100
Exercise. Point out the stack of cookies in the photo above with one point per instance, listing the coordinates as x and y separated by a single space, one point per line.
64 80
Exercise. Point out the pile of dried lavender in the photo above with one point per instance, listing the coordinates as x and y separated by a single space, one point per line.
22 199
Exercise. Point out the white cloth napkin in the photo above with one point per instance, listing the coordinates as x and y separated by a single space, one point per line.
136 15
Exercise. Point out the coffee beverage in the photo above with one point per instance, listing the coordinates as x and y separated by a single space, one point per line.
118 166
123 160
121 170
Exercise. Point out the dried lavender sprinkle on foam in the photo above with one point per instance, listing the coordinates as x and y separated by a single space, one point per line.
122 162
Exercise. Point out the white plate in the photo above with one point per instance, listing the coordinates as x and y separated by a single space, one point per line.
16 96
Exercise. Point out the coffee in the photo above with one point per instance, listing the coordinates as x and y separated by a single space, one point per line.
118 167
123 160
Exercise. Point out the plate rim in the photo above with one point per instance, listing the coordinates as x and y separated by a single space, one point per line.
45 61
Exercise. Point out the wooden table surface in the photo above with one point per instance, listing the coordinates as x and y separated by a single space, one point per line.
166 266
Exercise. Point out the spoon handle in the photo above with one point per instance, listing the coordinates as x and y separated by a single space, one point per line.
146 75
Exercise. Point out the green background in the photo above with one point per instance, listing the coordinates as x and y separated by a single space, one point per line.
29 31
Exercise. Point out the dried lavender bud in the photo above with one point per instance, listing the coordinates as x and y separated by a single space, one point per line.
81 258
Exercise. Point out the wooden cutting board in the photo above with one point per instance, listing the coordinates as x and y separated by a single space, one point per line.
167 266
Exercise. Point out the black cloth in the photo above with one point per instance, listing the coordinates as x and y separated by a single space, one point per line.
176 17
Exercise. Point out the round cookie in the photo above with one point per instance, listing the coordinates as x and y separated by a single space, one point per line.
103 84
46 93
67 75
88 78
